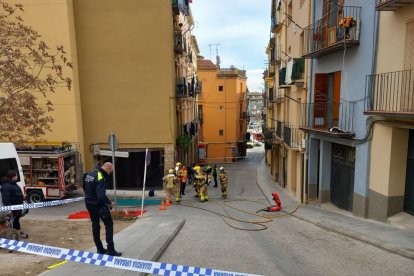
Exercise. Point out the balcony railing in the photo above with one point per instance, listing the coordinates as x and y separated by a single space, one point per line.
270 95
181 87
334 118
275 17
271 71
279 129
180 6
291 136
390 93
180 45
280 95
391 5
334 32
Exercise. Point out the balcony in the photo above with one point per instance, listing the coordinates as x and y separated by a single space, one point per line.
391 5
280 95
332 33
180 45
291 136
279 129
275 24
271 71
334 119
181 88
180 6
390 94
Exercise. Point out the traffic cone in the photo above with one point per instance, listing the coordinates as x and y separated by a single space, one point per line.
162 208
168 202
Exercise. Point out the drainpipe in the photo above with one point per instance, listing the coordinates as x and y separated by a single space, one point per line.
308 99
375 39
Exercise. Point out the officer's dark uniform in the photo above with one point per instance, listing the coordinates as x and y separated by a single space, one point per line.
98 205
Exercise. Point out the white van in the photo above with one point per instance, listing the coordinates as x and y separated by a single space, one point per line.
9 160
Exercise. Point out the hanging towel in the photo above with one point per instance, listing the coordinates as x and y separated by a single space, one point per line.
289 68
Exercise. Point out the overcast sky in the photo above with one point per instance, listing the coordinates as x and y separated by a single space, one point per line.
241 27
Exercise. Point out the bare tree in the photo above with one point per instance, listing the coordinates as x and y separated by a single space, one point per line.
28 70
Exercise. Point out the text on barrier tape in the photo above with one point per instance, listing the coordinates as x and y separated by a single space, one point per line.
39 204
114 262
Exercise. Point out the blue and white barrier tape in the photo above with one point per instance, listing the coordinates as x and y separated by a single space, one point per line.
39 204
114 262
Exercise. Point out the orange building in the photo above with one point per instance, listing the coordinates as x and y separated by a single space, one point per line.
222 111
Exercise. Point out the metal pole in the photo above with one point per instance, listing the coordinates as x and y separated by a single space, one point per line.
143 186
114 177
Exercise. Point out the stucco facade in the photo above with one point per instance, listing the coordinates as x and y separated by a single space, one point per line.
134 74
338 167
223 104
390 180
286 89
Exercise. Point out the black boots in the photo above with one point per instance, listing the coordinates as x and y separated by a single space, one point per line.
112 252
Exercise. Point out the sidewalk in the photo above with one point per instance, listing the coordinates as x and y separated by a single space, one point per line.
382 235
158 232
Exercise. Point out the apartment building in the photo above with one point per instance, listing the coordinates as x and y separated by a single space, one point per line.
339 43
390 105
286 89
255 108
222 107
134 74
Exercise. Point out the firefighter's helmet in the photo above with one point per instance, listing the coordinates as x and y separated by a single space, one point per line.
170 171
222 169
178 164
197 168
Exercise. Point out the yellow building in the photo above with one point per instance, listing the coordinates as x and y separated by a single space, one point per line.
390 98
222 105
286 88
134 74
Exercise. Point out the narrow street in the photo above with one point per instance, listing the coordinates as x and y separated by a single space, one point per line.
288 247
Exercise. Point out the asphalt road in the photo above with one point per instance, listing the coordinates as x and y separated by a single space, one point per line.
288 246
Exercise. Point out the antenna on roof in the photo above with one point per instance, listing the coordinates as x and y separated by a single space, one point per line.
217 56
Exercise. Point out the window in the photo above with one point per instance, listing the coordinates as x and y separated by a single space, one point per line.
220 88
221 108
221 132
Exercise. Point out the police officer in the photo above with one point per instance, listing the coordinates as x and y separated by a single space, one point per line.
99 205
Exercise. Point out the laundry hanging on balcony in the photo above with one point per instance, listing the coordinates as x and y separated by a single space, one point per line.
288 77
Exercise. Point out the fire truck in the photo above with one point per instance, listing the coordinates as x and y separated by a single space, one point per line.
50 170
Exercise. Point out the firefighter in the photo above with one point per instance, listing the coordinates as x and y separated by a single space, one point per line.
198 180
170 186
183 181
208 169
178 175
224 181
204 187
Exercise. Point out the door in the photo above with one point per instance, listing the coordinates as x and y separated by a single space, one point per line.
409 176
320 100
342 176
